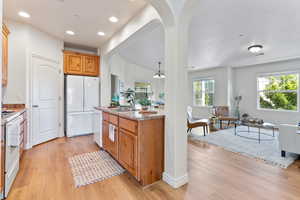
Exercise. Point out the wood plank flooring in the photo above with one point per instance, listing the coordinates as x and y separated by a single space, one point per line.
215 174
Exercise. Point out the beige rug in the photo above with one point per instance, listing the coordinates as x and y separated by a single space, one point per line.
93 167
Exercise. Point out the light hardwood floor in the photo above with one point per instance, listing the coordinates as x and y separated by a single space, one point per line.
215 174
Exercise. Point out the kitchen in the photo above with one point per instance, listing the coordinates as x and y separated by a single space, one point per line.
67 101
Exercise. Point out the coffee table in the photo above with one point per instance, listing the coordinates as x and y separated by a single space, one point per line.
265 126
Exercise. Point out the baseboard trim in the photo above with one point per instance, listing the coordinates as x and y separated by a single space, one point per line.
175 182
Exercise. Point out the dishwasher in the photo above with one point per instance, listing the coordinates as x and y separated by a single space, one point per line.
12 151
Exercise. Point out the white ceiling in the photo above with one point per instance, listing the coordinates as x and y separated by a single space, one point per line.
222 31
84 17
145 48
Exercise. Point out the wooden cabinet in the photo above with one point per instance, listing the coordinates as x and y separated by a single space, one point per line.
108 144
139 143
5 33
128 151
91 65
81 64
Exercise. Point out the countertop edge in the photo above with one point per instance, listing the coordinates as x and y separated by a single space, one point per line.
124 115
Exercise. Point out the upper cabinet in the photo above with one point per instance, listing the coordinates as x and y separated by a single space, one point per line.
5 33
81 64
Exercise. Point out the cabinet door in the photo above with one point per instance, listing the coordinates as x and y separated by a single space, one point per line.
4 56
105 129
108 145
91 65
128 151
73 64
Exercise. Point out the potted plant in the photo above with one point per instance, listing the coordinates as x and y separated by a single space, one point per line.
145 103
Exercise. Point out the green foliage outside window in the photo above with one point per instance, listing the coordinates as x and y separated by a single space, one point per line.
203 91
279 92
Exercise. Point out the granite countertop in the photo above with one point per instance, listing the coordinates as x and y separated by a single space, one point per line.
133 115
8 117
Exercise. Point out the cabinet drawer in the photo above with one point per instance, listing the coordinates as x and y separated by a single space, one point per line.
128 125
113 119
105 116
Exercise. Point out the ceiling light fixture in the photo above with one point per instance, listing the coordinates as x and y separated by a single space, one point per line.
159 74
255 48
70 32
113 19
101 33
24 14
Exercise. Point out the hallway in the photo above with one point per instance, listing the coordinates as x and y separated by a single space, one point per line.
214 174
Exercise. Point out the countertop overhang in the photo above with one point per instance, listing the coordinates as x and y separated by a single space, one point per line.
133 115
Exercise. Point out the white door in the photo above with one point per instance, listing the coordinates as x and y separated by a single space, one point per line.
75 94
91 93
45 100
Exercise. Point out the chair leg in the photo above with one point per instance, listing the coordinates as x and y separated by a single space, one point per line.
228 123
204 130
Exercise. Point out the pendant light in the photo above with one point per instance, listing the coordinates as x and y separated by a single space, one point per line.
159 74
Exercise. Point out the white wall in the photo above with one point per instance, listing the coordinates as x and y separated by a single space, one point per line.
131 73
25 40
243 81
246 85
15 93
221 95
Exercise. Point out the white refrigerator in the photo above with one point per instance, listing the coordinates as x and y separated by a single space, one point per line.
82 95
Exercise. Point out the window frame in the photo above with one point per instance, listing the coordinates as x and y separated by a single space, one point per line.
214 91
278 91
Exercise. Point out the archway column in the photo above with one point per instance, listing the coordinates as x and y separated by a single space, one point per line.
176 90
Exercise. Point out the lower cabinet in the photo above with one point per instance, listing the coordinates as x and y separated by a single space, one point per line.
108 144
138 146
128 151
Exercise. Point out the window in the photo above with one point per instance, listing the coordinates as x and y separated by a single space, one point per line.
278 92
203 92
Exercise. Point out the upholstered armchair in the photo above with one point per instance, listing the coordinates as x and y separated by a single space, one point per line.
289 139
222 113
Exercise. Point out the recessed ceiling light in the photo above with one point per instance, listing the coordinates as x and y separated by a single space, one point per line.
24 14
70 32
101 33
255 48
113 19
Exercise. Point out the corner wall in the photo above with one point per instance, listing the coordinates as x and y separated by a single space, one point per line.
25 40
221 88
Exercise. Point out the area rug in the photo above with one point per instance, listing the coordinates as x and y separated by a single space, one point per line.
93 167
267 151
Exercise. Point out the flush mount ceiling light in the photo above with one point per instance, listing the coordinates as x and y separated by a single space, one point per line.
255 48
113 19
24 14
159 74
69 32
100 33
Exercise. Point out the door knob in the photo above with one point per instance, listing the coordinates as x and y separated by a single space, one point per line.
35 106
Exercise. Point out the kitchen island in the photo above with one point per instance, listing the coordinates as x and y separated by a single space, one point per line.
137 142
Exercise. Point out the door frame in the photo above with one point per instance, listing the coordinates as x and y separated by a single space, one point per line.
29 95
